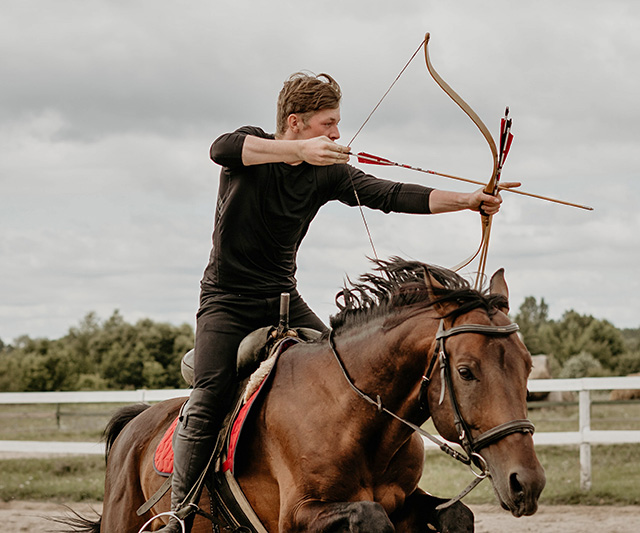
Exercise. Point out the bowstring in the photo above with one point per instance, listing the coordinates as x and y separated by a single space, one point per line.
355 192
386 93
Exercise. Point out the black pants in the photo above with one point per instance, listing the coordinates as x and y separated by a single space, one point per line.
223 320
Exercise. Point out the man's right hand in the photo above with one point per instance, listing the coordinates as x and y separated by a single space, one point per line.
322 151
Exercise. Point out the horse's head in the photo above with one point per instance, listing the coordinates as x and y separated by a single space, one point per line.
477 367
477 395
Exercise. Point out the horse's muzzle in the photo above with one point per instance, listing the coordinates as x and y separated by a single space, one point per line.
523 488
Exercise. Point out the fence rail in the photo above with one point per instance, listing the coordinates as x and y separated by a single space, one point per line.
584 437
133 396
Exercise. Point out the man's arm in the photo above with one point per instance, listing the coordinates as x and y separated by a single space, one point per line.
447 201
316 151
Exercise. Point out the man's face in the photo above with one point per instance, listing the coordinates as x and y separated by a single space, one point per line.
323 122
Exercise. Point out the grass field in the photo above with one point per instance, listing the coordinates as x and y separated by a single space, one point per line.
615 476
53 479
616 468
67 422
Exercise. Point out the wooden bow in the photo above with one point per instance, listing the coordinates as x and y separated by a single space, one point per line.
492 185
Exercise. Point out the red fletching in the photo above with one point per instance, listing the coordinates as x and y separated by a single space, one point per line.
506 138
508 146
371 159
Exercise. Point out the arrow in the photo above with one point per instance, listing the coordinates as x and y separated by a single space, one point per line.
370 159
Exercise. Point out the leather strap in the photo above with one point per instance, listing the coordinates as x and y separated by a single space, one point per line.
476 328
164 488
501 431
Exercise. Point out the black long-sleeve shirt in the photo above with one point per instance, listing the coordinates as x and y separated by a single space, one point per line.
264 211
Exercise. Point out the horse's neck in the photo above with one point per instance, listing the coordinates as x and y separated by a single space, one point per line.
383 364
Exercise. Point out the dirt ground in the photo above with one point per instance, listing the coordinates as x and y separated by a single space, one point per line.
21 516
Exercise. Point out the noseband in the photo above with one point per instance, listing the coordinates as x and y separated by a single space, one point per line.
469 444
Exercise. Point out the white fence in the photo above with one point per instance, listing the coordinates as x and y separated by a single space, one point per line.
584 437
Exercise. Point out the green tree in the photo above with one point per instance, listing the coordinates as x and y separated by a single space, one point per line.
121 365
581 365
146 354
533 319
97 355
627 363
79 340
10 372
47 368
577 333
631 339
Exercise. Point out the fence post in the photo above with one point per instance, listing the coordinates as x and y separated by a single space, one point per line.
585 445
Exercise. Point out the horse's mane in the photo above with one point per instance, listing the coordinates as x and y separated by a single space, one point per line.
398 286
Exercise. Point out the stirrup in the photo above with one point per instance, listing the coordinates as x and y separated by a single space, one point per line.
172 514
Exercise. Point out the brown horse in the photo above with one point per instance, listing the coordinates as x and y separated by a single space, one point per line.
324 452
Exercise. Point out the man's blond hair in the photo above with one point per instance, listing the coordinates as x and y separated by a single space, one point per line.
305 94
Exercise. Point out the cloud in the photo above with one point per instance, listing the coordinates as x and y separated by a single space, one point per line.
109 108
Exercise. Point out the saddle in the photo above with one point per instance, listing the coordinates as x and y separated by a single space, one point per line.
257 357
253 350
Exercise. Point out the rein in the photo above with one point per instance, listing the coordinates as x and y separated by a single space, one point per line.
470 445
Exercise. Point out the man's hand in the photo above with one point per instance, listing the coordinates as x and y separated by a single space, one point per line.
487 204
316 151
322 151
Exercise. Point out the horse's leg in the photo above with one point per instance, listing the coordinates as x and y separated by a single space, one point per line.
419 514
351 517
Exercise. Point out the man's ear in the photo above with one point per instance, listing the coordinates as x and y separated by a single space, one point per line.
294 123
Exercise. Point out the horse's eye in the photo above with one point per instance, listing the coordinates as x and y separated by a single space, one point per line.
466 374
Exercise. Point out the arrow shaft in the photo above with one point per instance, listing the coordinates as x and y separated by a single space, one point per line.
376 160
514 191
547 198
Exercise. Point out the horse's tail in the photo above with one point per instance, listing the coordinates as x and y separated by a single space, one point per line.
79 523
122 417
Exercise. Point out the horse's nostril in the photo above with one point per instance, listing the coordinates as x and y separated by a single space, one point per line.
516 487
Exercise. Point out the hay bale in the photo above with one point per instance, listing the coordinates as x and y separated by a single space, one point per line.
541 370
625 394
561 396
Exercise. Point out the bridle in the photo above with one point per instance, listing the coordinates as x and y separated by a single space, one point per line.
471 445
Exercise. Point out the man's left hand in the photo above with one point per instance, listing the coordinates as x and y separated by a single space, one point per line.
487 204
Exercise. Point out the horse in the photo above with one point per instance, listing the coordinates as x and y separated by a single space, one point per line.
335 445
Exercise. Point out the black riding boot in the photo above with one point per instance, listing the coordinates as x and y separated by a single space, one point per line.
193 443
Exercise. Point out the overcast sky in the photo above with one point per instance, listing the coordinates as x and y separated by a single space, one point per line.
108 108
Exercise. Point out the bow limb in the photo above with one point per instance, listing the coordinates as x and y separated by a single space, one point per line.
491 187
468 260
467 109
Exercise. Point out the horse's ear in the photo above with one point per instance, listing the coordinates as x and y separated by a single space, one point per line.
498 286
432 283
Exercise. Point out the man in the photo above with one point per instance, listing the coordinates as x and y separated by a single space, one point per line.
271 187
